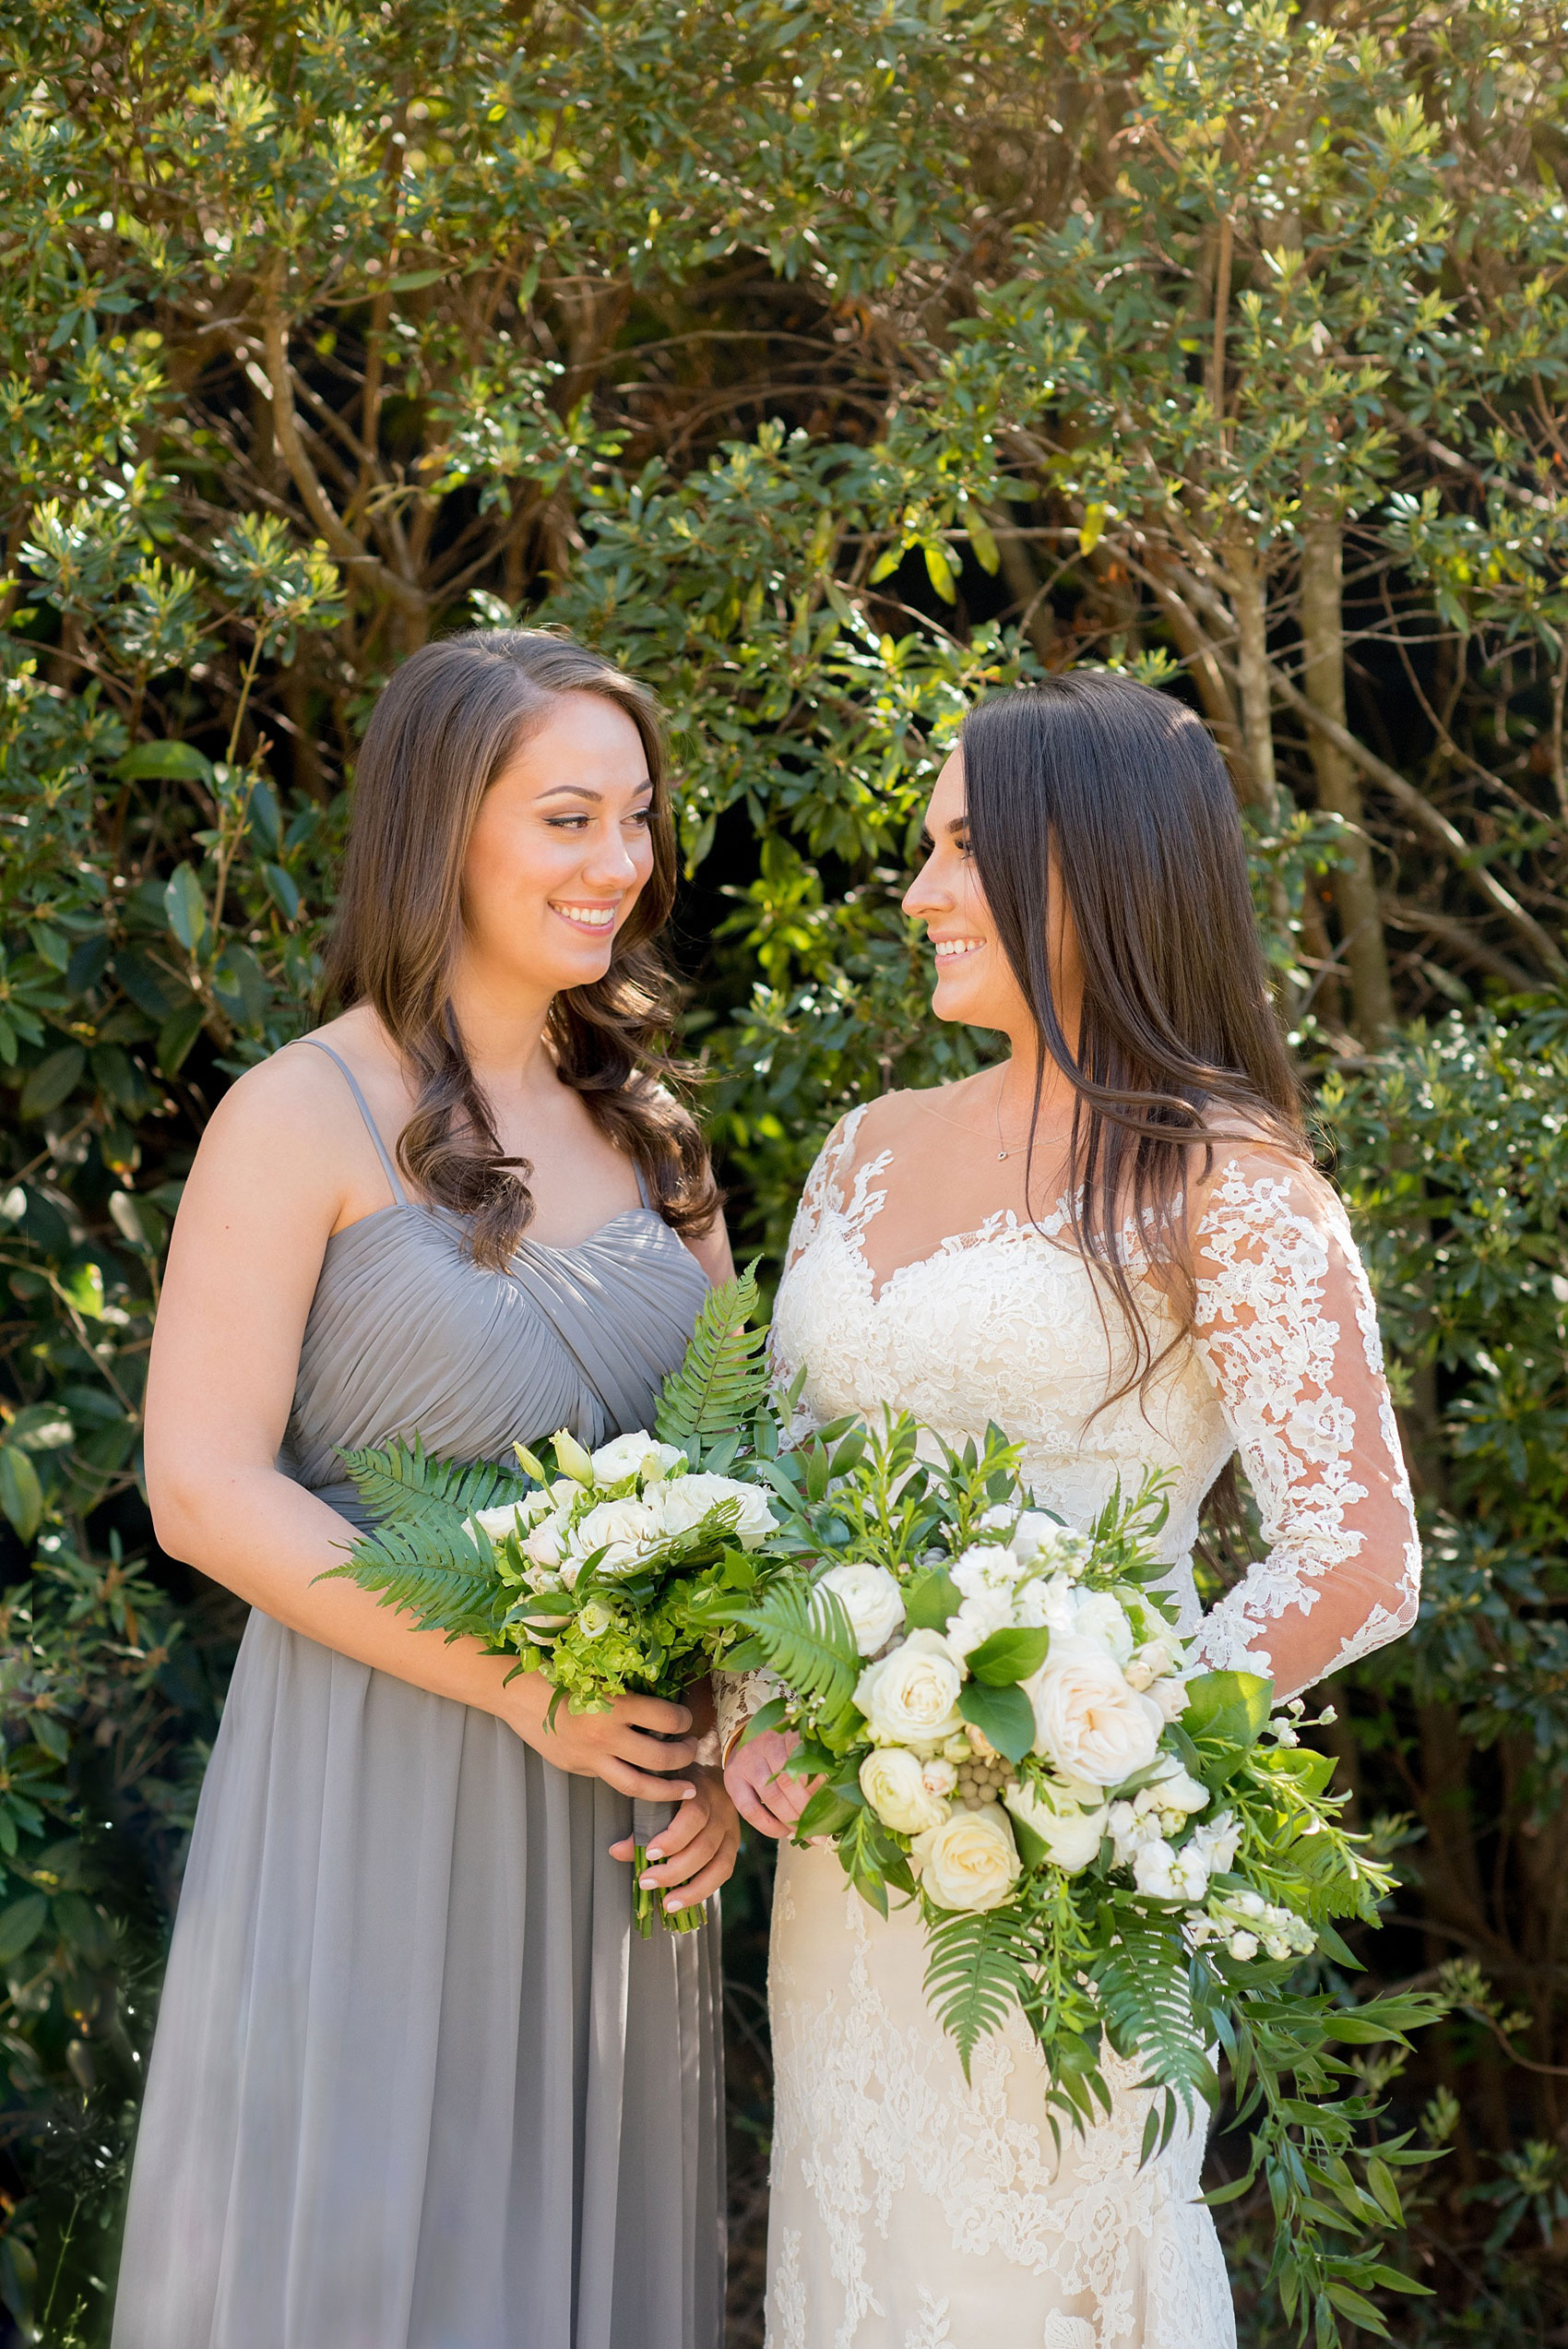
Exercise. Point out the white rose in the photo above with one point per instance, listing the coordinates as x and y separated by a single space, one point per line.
683 1502
970 1862
1072 1836
912 1697
1101 1618
1171 1695
870 1596
625 1531
893 1785
976 1618
544 1544
594 1620
1087 1719
639 1454
939 1777
496 1522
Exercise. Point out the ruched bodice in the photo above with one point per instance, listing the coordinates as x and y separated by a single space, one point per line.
415 2083
406 1332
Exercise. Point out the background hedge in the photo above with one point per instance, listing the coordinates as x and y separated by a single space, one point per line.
830 362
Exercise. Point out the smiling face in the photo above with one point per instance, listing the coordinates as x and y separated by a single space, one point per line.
561 849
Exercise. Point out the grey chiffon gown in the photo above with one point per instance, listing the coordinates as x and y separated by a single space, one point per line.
415 2083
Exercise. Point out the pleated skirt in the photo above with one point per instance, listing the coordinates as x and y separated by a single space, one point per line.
416 2084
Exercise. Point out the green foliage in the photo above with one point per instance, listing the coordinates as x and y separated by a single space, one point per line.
831 367
978 1970
723 1379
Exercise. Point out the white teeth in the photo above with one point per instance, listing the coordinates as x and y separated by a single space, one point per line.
949 949
597 917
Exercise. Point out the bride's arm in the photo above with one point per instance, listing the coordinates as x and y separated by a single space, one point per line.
1286 1325
272 1177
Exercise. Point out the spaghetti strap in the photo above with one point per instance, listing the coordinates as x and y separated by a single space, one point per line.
642 1186
383 1154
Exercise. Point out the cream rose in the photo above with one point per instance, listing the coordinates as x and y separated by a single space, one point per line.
893 1785
870 1596
1087 1719
1070 1835
912 1697
970 1862
496 1522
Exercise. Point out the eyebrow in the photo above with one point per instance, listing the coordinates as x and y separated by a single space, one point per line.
586 791
959 824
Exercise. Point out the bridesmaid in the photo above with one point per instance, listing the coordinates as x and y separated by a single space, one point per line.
416 2084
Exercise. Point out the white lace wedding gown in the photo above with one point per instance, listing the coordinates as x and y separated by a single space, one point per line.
913 2209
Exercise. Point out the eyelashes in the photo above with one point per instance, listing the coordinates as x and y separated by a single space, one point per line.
642 817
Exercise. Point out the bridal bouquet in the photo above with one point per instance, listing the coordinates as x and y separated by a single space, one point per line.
603 1569
1102 1837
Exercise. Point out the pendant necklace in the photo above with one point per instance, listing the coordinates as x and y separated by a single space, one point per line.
1001 1152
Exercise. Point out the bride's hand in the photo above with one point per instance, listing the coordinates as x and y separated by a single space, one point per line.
763 1793
696 1851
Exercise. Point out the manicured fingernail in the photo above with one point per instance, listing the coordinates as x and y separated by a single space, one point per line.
672 1905
646 1882
654 1852
688 1794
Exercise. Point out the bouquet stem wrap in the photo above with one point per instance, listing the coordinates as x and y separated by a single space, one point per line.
648 1823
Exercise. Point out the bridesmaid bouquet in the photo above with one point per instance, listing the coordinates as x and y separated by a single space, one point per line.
605 1570
1102 1837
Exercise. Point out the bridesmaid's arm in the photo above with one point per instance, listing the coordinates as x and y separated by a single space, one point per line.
281 1165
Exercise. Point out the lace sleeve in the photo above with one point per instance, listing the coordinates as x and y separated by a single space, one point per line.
1287 1326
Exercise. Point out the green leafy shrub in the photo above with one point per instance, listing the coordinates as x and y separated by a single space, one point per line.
832 365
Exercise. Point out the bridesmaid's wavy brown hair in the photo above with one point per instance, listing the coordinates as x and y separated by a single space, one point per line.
445 726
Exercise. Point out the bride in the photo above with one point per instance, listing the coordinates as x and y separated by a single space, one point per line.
1116 1246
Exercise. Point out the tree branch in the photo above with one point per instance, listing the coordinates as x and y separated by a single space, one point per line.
1427 819
349 550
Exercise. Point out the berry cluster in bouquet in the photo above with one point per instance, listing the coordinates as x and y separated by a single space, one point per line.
607 1572
1103 1838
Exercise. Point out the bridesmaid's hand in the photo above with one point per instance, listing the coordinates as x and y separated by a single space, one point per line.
762 1790
633 1747
696 1851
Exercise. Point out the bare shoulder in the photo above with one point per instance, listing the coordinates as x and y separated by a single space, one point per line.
287 1130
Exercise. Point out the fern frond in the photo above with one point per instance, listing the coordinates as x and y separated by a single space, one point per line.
977 1971
804 1635
723 1378
1145 1997
443 1582
404 1484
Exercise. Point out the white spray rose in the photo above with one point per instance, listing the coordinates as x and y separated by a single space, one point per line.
1176 1789
912 1697
1101 1618
496 1522
1171 1695
970 1862
1038 1538
940 1777
595 1621
1070 1835
1087 1719
625 1531
639 1454
891 1783
870 1596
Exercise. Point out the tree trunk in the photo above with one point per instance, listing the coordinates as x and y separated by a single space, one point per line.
1338 787
1249 604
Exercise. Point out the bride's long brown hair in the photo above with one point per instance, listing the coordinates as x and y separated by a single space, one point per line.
443 730
1117 795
